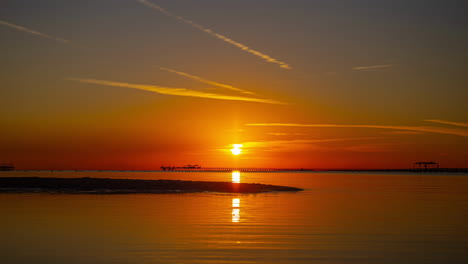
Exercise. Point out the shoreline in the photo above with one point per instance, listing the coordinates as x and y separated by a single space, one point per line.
88 185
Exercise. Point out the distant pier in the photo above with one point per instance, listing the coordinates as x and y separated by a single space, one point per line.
224 169
411 170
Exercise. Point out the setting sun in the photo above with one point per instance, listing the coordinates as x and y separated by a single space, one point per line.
236 150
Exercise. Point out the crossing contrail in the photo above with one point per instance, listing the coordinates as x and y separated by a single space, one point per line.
373 67
199 79
462 124
430 129
30 31
216 35
176 91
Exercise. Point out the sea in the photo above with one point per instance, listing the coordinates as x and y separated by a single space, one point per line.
340 217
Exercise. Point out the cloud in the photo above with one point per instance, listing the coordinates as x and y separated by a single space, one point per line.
176 91
373 67
297 144
278 134
375 147
399 132
216 35
199 79
301 141
462 124
438 130
286 134
33 32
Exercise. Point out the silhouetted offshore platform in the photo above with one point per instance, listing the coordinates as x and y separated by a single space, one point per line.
431 166
7 167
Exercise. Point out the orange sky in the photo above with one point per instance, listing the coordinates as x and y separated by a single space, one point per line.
307 84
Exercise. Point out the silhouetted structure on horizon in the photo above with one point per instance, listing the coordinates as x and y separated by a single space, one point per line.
7 167
186 167
425 166
194 168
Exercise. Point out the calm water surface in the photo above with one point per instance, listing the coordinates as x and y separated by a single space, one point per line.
339 218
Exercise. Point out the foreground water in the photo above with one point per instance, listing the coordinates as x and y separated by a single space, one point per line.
339 218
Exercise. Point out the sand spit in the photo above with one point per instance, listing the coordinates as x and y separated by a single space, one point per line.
122 186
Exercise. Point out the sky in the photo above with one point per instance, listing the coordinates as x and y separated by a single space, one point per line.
320 84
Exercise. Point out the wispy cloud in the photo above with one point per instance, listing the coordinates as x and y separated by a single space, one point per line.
216 35
199 79
286 134
278 134
399 132
462 124
33 32
373 67
438 130
296 144
176 91
374 147
302 141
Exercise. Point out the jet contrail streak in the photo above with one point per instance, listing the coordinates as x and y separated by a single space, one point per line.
216 35
30 31
373 67
176 91
199 79
439 130
448 122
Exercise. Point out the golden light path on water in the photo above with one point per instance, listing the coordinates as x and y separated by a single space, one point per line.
236 201
235 210
236 177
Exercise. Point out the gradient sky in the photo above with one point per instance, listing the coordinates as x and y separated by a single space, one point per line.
136 84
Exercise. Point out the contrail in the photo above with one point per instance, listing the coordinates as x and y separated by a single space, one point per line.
176 91
30 31
216 35
373 67
439 130
269 143
199 79
448 122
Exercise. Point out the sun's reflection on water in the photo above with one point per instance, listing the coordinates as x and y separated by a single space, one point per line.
236 177
235 215
235 210
236 203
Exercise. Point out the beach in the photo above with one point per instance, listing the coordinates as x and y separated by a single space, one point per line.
121 186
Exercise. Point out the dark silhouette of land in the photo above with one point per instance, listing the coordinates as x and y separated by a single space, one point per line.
120 186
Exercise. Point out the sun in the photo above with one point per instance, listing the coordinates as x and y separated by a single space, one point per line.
236 149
